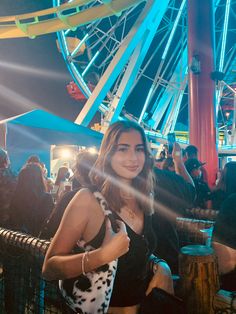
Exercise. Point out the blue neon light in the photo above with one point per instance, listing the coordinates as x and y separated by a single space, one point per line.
173 29
90 63
225 29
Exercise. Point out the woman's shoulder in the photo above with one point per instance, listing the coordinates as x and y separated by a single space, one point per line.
82 208
84 198
85 193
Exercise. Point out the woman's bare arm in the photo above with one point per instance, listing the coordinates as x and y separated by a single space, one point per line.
226 257
179 164
82 220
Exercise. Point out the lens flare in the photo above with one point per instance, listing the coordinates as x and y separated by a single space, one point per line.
24 69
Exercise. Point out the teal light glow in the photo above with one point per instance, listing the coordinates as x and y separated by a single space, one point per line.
173 29
146 103
225 30
90 63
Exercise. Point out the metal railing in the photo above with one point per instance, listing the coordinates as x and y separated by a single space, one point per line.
22 288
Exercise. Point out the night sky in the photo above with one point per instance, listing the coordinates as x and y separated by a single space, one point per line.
32 71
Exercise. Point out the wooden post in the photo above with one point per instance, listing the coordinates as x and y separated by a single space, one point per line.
199 278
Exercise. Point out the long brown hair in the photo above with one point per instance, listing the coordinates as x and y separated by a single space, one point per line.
103 176
24 211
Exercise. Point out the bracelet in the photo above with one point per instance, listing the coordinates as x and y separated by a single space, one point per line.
85 256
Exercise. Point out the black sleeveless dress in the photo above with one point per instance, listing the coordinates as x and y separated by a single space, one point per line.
132 273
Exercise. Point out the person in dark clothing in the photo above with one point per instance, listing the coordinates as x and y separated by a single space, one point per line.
33 159
8 183
30 204
52 223
60 182
224 242
190 152
175 190
174 193
167 240
225 186
84 162
203 192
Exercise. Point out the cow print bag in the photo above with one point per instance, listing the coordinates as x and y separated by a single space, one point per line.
90 293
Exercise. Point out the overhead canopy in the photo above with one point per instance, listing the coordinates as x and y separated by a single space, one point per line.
35 131
45 120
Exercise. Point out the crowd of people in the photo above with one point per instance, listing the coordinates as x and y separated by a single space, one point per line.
206 197
144 198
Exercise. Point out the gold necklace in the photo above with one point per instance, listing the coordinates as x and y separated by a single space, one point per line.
130 213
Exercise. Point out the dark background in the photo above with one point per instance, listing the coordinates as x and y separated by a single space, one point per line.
32 71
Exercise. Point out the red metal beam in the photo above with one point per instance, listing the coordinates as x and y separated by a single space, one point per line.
202 121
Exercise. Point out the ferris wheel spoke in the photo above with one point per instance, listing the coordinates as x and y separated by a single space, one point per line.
120 60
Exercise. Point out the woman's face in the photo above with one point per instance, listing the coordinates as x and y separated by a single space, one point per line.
129 157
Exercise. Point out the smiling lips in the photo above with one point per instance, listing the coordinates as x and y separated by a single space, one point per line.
132 168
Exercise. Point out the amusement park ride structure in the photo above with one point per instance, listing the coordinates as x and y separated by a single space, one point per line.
127 47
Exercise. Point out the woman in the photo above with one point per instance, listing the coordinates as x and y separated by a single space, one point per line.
123 174
29 208
7 186
30 205
84 162
225 186
59 186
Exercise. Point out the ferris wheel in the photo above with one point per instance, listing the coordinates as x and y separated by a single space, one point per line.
143 53
139 52
129 57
